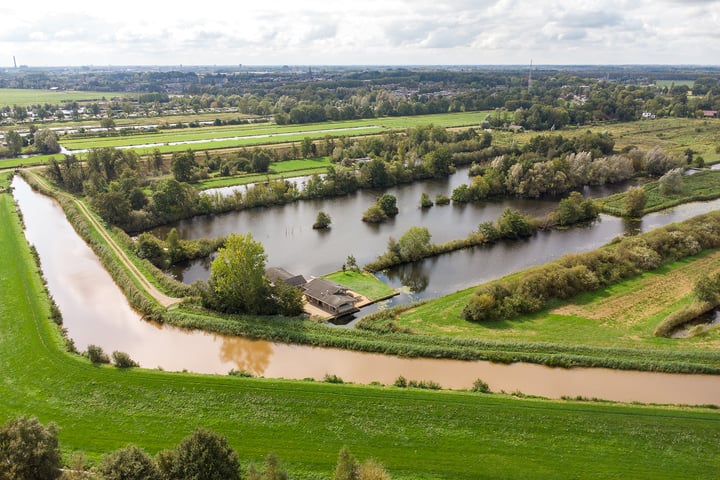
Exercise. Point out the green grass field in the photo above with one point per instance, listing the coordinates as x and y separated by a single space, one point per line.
26 97
363 283
285 169
415 434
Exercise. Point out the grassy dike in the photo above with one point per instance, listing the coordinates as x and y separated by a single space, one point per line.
416 434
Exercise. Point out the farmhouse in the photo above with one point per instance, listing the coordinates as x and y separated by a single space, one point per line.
710 114
330 297
276 275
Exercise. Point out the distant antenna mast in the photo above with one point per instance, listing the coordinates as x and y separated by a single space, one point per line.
530 76
14 62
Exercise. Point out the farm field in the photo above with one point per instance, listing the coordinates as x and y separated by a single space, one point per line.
315 130
284 169
27 97
414 433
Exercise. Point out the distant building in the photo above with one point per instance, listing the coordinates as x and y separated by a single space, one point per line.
330 297
710 114
648 115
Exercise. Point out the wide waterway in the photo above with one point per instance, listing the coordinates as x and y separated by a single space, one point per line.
95 311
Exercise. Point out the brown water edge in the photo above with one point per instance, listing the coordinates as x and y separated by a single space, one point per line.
95 311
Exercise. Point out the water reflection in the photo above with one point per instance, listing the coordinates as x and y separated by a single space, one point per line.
247 355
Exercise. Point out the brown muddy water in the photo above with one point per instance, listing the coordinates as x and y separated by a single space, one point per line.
95 311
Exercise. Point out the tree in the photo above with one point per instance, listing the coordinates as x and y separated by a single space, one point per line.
351 263
388 204
237 275
46 141
635 200
347 467
129 463
182 166
260 161
14 142
425 201
322 221
414 244
203 455
707 288
307 148
513 224
107 123
29 450
671 182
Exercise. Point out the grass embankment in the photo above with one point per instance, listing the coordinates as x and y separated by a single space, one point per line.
699 187
416 434
364 283
285 169
620 316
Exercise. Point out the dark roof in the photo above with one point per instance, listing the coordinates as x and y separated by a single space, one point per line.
328 292
276 274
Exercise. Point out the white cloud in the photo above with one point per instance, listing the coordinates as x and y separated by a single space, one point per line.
369 32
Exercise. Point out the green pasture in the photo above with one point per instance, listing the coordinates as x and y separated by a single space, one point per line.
363 283
26 97
415 434
677 83
284 169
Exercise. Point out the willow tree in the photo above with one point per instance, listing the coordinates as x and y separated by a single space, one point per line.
237 277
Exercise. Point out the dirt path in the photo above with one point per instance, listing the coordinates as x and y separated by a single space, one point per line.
134 272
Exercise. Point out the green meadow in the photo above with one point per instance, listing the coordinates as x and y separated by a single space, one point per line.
26 97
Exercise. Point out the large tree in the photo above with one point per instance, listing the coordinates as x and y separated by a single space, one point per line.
129 463
414 243
29 450
237 277
46 141
201 455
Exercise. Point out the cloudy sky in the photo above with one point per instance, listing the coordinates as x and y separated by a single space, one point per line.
368 32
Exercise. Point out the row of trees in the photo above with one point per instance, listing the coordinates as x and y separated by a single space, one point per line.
31 451
527 175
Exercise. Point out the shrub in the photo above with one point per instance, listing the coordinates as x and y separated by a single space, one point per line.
401 382
96 354
123 360
328 378
480 386
442 200
322 221
374 214
425 201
